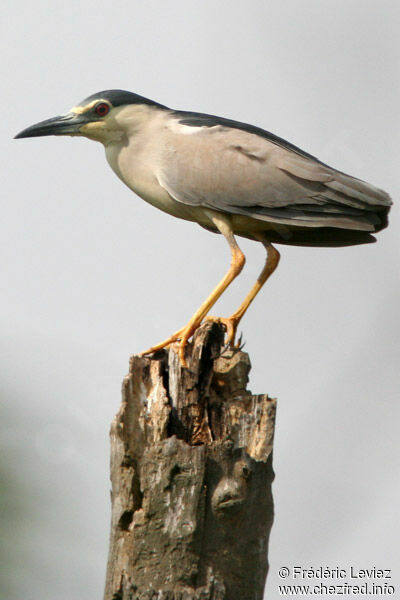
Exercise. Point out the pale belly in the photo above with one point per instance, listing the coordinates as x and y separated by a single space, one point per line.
142 180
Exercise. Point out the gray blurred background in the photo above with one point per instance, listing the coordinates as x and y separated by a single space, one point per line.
91 274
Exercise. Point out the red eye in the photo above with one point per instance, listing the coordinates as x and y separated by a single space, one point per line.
102 109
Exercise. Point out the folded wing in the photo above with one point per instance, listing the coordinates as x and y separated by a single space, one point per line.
237 171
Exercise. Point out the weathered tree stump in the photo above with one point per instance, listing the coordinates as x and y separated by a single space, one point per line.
191 473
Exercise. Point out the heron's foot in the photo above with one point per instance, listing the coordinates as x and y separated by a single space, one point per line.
181 337
231 323
165 344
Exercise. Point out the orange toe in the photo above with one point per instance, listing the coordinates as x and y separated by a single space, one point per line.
231 324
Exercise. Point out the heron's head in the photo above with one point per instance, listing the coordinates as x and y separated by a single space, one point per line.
103 117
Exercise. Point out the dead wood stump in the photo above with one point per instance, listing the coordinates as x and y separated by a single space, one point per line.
191 473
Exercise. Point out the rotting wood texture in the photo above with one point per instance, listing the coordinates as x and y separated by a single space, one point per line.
191 473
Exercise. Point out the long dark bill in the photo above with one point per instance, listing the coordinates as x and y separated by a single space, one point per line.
68 124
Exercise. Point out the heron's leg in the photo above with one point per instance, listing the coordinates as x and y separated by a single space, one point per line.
222 222
271 264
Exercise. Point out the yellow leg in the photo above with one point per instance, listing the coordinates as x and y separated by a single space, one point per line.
233 321
222 222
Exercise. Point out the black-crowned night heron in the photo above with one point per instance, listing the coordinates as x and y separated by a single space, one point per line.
229 177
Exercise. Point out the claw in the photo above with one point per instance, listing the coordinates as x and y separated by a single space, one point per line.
240 345
225 348
235 347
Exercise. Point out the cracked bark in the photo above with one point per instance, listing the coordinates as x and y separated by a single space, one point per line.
191 473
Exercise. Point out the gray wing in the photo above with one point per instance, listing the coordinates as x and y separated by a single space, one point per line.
238 172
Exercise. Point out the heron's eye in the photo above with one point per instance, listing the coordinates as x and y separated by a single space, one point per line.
102 109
